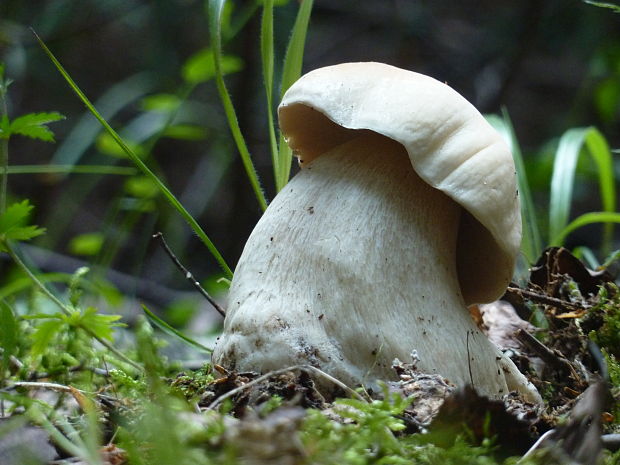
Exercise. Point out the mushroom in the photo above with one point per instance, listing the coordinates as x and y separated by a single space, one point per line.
405 211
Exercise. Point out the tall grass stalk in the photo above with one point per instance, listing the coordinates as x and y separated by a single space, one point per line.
215 9
267 57
168 195
291 71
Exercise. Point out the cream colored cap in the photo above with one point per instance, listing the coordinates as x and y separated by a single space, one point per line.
450 144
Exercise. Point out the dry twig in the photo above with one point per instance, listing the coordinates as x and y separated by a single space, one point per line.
545 299
188 275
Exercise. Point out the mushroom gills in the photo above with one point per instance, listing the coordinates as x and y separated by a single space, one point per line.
351 266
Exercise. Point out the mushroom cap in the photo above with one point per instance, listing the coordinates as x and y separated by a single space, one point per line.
450 144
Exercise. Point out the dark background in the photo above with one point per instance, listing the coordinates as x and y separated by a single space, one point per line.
552 65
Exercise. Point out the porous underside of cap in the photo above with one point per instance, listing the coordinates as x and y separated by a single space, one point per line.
450 144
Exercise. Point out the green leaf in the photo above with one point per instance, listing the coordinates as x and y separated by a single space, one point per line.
166 328
200 67
141 187
165 103
87 244
43 335
186 132
33 125
98 324
13 223
8 335
107 145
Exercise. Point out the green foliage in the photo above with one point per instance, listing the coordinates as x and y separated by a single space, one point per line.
8 337
371 437
107 145
59 326
607 312
571 146
200 67
33 125
86 244
14 224
193 384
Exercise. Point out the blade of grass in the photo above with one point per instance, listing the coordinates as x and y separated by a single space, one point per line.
166 328
531 245
611 258
293 58
564 166
584 220
586 255
290 73
215 8
266 41
138 162
563 177
599 149
86 129
612 6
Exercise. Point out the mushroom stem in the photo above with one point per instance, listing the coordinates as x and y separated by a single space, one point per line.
352 265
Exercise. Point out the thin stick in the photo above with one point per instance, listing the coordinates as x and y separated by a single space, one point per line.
188 275
545 353
306 368
545 299
50 386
